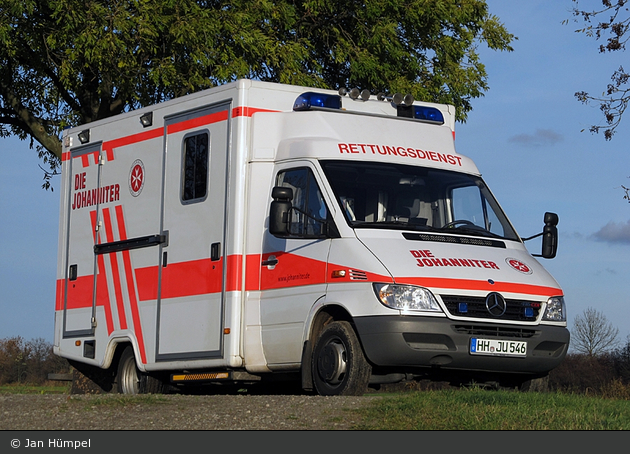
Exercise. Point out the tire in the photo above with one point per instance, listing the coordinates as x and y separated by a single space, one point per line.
131 380
339 367
540 384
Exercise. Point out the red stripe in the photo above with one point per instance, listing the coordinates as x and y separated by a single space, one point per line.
234 274
135 315
197 277
470 284
80 293
109 145
102 292
252 272
294 271
198 121
59 294
129 140
147 281
115 271
297 271
85 158
245 111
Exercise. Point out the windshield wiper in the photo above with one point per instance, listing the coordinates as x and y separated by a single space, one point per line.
406 225
471 229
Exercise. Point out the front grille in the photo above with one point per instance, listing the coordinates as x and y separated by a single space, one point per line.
494 331
475 307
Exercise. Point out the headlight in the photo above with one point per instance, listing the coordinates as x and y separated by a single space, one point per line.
555 310
406 297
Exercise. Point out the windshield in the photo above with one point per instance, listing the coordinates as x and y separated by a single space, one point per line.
377 195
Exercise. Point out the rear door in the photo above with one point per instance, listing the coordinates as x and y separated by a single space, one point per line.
128 236
190 308
79 302
114 236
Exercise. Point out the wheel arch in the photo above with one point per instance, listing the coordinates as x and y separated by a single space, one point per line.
320 318
114 350
102 378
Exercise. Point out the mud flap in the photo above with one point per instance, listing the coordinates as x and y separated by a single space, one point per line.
307 377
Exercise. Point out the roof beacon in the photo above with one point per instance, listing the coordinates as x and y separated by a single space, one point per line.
424 113
308 101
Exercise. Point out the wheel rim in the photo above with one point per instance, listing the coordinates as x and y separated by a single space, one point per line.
129 380
332 362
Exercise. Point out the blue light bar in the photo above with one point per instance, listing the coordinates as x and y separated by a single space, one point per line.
428 113
306 101
425 113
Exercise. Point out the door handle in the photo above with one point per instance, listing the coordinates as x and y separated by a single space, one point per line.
271 261
215 251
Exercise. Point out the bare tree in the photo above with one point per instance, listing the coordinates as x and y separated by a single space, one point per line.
593 334
610 23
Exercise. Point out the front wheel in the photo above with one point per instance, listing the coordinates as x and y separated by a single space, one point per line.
540 384
339 367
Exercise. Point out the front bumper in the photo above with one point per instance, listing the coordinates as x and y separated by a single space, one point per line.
409 342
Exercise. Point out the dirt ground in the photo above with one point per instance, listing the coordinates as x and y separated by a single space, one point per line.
179 412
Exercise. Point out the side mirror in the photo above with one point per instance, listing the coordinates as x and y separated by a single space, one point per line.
279 210
550 236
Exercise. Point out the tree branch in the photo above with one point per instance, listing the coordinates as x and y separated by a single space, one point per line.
30 123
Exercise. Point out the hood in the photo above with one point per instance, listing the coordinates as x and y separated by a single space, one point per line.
460 265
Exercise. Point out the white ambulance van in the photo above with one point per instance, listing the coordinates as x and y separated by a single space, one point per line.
259 231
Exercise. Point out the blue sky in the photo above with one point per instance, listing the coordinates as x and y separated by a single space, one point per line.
524 134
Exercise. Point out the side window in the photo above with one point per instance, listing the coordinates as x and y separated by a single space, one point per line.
195 167
309 211
467 205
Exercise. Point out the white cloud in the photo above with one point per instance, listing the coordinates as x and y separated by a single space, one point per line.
616 233
537 139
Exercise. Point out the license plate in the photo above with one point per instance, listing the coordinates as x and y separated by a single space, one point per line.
497 347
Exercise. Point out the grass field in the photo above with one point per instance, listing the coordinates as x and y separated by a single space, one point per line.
51 388
479 409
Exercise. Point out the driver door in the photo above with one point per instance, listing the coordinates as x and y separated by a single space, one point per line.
294 268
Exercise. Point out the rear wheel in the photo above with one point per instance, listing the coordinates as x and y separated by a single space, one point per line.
128 376
339 367
131 380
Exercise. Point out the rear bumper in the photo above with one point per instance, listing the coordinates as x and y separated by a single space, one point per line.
424 342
